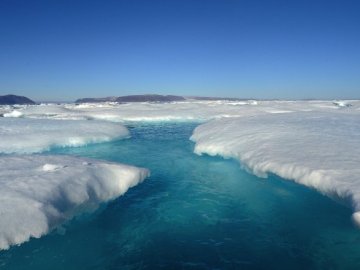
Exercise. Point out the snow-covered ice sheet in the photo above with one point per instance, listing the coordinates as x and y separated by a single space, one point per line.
20 135
38 193
175 111
319 150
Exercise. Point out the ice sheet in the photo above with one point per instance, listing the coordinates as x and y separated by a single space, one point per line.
38 193
22 135
319 150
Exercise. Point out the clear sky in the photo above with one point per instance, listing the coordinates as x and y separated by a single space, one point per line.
66 49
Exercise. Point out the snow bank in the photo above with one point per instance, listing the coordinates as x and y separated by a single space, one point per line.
319 150
19 135
13 113
37 193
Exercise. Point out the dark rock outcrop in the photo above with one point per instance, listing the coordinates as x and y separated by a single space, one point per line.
95 100
13 99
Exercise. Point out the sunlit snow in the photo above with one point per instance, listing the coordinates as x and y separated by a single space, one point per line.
37 193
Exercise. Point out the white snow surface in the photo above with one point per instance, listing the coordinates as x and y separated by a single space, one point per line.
21 135
38 193
174 111
13 113
316 149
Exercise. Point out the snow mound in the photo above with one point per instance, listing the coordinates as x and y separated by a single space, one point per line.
38 193
19 135
319 150
13 113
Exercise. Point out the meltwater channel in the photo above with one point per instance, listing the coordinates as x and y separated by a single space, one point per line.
195 212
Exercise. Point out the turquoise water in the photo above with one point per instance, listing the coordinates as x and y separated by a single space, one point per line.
195 212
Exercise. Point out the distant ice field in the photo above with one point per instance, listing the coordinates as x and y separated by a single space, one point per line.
174 111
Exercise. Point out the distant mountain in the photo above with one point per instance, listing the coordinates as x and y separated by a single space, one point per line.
13 99
133 98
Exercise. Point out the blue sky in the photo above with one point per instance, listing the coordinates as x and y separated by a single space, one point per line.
63 50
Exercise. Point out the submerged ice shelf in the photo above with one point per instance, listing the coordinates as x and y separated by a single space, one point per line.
39 192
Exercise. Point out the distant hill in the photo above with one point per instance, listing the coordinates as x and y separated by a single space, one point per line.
95 100
133 98
215 98
13 99
154 98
